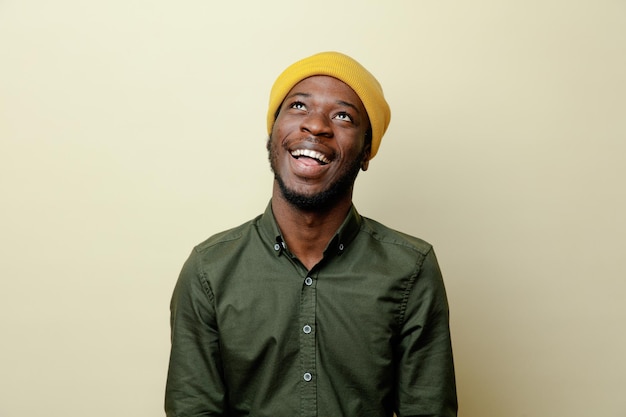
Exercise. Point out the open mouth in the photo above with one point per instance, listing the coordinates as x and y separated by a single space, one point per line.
315 156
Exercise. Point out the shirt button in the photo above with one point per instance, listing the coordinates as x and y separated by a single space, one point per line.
307 377
306 329
341 246
276 247
308 281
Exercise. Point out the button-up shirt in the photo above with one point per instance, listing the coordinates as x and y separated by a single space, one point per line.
364 333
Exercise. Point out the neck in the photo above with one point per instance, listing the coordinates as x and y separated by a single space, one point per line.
307 233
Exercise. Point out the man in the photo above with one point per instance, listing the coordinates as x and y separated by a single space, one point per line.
311 309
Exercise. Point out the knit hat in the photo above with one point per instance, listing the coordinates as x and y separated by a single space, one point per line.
345 69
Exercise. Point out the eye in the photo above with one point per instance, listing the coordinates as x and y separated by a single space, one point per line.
344 116
298 105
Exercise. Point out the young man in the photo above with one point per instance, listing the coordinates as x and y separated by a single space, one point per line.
311 309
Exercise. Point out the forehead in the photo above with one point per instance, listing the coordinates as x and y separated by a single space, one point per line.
323 86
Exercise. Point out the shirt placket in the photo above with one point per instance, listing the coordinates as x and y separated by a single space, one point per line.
308 390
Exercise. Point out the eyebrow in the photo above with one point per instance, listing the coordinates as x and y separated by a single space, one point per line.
345 103
341 102
298 94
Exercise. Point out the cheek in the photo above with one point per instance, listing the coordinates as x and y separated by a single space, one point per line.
355 145
286 123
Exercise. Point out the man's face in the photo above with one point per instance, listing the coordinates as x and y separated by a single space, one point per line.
317 145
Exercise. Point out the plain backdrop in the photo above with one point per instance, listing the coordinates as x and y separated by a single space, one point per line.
132 130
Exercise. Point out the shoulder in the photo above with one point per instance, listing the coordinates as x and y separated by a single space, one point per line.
394 238
227 237
223 248
219 253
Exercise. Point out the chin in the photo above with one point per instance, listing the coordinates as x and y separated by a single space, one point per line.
315 201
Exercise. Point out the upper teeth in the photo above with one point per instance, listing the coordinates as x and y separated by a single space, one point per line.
311 154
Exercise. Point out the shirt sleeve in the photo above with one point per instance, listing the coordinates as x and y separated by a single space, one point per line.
195 384
426 381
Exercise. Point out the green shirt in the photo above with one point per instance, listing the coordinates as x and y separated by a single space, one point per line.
364 333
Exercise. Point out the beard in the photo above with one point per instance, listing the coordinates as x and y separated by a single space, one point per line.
325 199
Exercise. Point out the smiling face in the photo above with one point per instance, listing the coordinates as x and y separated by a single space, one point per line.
318 145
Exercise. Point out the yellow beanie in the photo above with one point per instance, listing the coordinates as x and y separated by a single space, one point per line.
345 69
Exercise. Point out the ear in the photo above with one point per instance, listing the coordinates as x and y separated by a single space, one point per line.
367 140
366 157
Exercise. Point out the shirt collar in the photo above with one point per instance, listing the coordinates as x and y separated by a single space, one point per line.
338 244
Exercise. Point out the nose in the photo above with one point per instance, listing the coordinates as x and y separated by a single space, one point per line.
317 124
